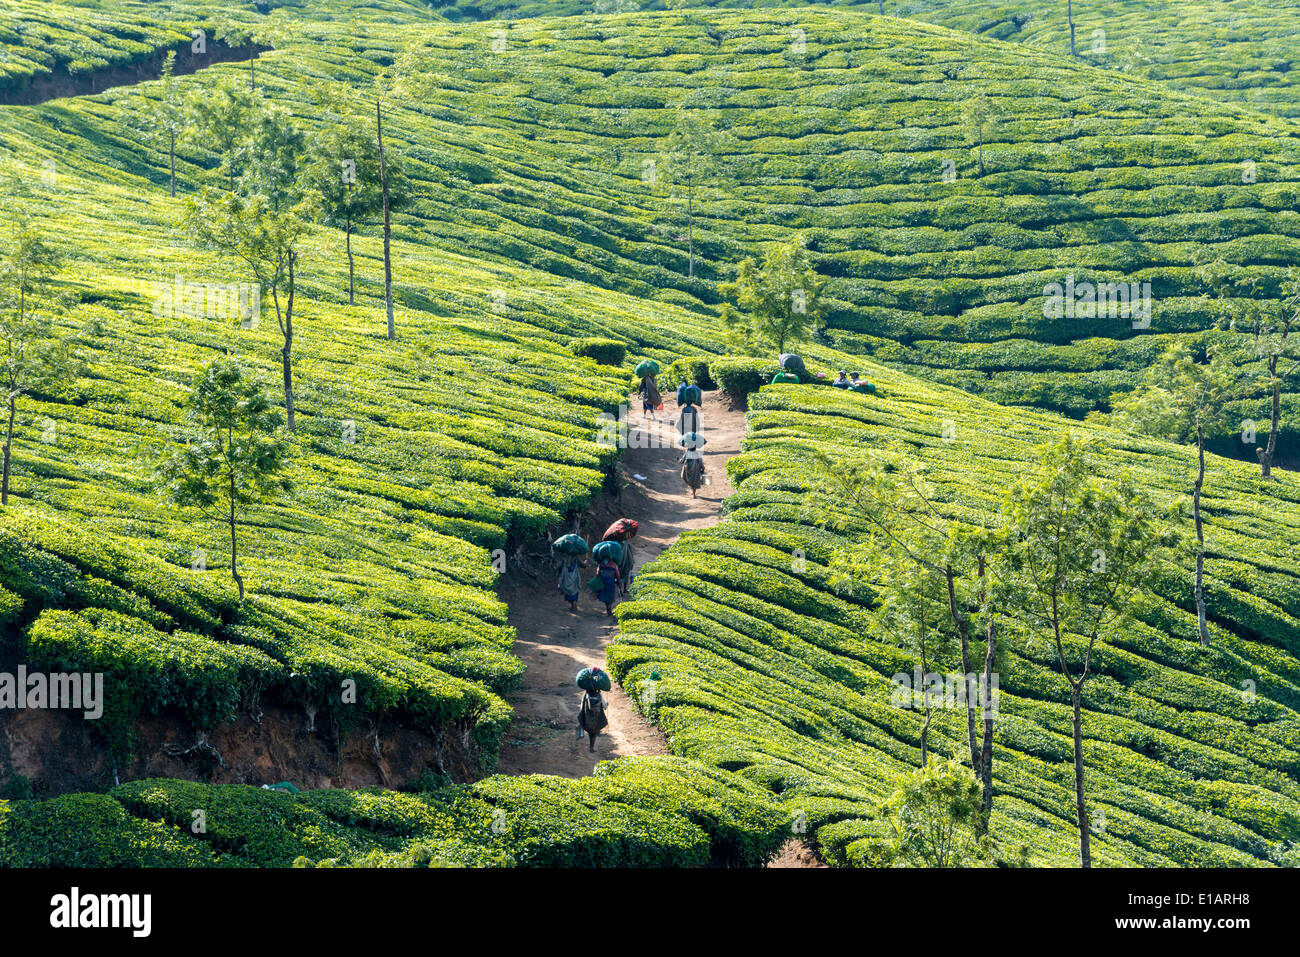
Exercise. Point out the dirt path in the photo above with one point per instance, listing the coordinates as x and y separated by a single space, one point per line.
555 643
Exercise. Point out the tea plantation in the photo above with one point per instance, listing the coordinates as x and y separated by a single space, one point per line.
542 213
855 131
767 670
476 427
1236 51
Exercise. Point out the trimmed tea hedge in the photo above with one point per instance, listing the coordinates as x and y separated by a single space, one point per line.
767 671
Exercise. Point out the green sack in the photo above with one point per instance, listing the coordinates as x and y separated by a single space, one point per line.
570 544
784 377
646 367
593 679
793 364
595 584
608 551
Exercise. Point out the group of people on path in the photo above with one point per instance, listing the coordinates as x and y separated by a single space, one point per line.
613 577
687 426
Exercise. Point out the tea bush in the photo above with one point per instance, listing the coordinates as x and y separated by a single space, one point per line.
607 352
767 671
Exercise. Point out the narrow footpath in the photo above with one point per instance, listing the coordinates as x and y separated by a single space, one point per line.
556 643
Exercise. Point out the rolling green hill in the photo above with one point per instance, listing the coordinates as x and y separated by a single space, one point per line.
531 226
842 126
767 669
1235 51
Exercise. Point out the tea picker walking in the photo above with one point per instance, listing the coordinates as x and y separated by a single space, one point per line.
692 461
591 715
605 584
651 400
622 532
570 583
570 548
688 416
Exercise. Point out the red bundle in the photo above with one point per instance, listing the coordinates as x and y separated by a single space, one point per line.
621 531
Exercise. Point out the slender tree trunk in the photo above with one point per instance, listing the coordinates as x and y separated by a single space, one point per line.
882 7
1200 536
288 347
1266 455
171 155
383 186
925 703
690 231
1069 14
1085 846
981 152
963 631
986 756
234 564
252 68
9 439
351 295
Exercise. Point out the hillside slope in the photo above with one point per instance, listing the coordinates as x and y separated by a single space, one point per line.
1235 51
415 459
767 670
475 428
855 131
844 127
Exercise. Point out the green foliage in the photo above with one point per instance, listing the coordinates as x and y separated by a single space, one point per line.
609 352
147 670
236 453
36 357
221 118
741 377
477 427
237 456
1082 548
689 169
91 830
694 370
770 669
1181 397
777 303
635 812
168 121
932 820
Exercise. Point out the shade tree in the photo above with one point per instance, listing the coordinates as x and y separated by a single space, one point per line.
775 302
235 456
1082 547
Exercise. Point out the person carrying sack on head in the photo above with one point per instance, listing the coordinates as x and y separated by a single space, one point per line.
609 577
570 583
651 400
623 531
592 717
688 419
